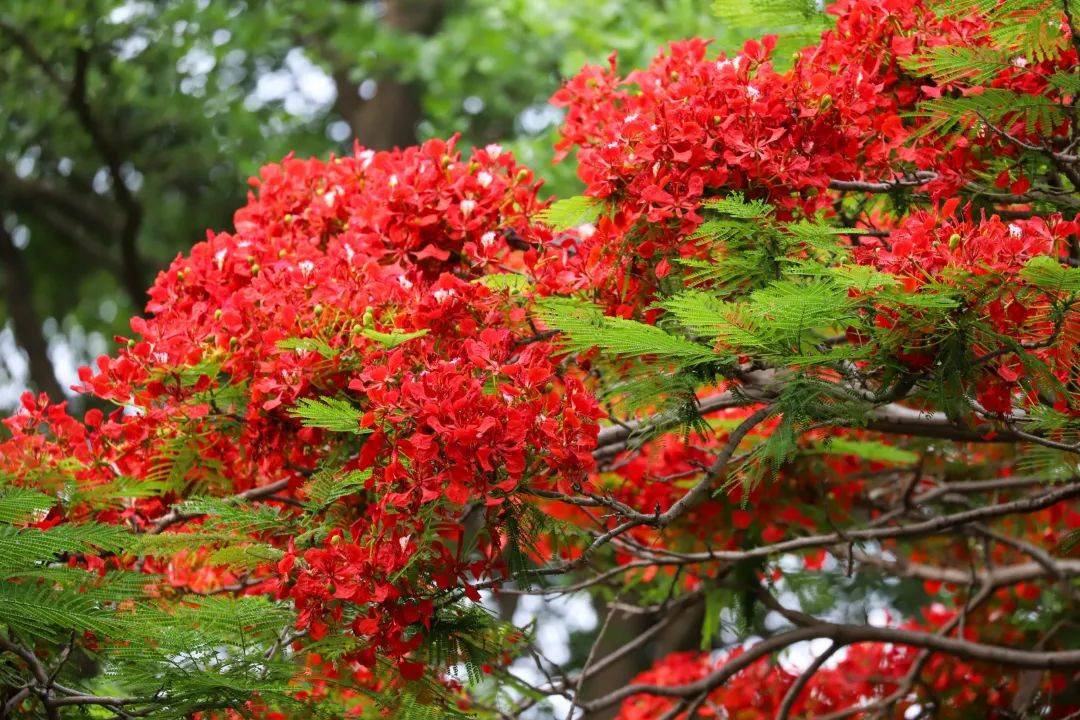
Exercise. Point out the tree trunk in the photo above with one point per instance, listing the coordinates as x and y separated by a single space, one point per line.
389 119
621 630
19 294
683 633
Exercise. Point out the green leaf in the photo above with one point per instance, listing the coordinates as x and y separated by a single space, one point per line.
765 12
511 282
736 206
571 212
22 504
994 105
869 450
1046 273
950 64
927 298
584 326
326 487
42 611
393 339
700 312
330 413
860 277
308 345
236 515
245 555
1069 542
1067 82
24 547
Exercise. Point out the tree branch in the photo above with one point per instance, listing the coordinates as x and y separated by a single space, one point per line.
917 529
26 193
74 92
175 516
848 635
613 439
919 177
131 264
803 680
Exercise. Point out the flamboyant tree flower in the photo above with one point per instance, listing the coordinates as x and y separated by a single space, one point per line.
803 355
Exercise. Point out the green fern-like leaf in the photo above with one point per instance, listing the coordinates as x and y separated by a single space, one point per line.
723 231
822 241
25 547
330 413
111 587
585 326
122 488
245 555
998 106
237 516
1070 542
766 13
1067 82
163 544
1046 273
794 309
950 64
700 312
22 504
783 321
327 487
987 8
863 278
40 611
736 206
1035 35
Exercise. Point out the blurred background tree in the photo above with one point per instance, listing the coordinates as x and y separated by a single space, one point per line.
128 127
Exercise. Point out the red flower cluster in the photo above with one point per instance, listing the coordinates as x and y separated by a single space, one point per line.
361 278
461 415
691 126
865 673
940 247
371 280
926 245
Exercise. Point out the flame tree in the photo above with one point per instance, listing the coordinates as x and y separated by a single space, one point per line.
799 365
